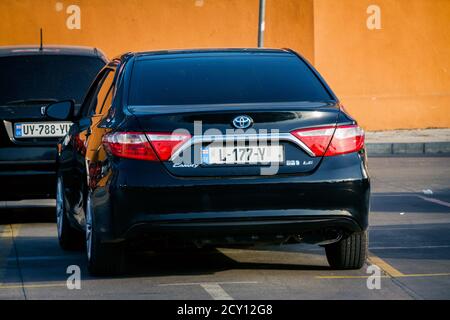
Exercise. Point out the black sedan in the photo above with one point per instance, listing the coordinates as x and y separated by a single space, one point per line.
30 78
211 148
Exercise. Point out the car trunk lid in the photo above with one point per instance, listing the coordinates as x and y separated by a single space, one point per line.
213 134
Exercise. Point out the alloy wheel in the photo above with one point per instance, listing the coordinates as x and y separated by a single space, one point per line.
59 206
88 227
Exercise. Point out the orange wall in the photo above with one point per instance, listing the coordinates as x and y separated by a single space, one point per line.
118 26
395 77
290 24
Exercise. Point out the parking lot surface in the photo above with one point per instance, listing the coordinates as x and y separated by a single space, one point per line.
409 241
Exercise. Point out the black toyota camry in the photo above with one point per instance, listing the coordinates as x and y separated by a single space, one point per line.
210 148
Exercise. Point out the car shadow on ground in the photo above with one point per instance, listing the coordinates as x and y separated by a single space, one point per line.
27 215
198 263
44 261
41 259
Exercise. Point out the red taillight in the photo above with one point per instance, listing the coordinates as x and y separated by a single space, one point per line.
346 139
331 141
144 146
316 139
165 144
132 145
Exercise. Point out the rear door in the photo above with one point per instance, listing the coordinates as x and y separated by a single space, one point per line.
208 96
28 83
78 150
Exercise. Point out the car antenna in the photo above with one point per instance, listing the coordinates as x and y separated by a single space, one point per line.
41 46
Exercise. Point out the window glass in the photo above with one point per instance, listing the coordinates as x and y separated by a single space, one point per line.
222 79
58 77
103 92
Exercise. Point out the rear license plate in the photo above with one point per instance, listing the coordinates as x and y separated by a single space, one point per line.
242 155
41 129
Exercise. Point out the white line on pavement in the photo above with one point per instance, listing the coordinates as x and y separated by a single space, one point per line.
392 195
442 203
415 247
37 258
200 283
216 291
5 248
36 203
212 288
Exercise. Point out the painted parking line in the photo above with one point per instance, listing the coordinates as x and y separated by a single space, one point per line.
216 291
402 195
5 231
213 288
386 267
200 283
8 247
410 247
23 204
436 201
45 258
415 275
6 234
389 270
346 277
33 286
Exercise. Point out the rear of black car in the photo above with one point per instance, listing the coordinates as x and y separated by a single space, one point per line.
30 79
180 166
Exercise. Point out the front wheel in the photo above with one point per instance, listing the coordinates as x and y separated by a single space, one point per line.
349 253
102 258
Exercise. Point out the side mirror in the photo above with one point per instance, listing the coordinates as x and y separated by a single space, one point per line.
62 110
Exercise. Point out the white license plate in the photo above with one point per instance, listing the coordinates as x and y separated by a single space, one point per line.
242 155
41 129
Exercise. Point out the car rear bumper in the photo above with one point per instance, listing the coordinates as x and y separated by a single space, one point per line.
276 228
27 172
208 208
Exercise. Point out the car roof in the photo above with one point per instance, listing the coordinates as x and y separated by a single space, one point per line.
203 52
27 50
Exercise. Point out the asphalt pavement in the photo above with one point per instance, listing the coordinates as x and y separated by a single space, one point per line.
409 242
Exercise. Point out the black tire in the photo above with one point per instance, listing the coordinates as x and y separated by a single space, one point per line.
69 238
103 259
348 253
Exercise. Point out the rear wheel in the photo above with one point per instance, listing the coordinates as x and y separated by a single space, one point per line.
103 258
348 253
69 238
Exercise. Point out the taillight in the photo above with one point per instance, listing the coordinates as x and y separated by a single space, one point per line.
346 139
331 141
316 139
144 146
132 145
165 144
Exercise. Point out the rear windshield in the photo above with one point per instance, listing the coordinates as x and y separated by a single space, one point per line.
46 77
224 79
